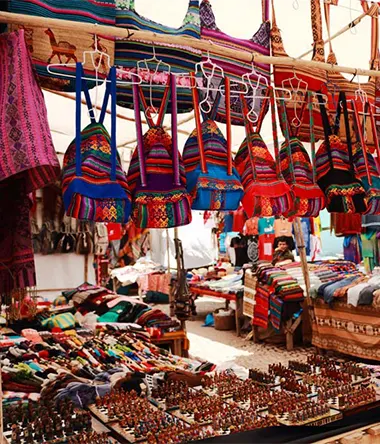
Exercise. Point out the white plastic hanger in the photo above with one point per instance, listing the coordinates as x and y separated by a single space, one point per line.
360 94
297 86
98 59
146 66
200 67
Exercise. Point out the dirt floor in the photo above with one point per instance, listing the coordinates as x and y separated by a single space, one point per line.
224 346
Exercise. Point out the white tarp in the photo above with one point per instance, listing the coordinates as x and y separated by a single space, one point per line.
197 244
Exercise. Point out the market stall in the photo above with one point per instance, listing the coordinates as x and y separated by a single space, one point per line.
92 363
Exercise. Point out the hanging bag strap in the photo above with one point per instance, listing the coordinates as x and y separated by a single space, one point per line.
285 122
248 133
360 139
175 154
110 90
374 130
265 10
343 101
274 132
326 128
198 123
228 126
161 110
312 136
139 134
170 90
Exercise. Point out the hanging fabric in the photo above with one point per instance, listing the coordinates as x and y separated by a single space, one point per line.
212 179
54 45
27 150
361 92
365 165
265 191
94 183
335 166
297 169
232 67
156 173
28 162
312 77
182 59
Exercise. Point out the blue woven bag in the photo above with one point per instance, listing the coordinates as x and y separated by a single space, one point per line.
93 181
212 180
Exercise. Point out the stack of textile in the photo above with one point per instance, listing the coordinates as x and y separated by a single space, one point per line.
113 308
72 357
277 293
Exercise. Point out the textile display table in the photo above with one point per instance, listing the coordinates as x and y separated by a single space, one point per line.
177 340
347 329
236 297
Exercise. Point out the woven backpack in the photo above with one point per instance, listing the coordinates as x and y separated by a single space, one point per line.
265 191
94 183
212 179
297 169
335 166
156 174
365 165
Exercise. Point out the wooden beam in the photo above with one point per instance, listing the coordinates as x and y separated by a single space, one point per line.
154 38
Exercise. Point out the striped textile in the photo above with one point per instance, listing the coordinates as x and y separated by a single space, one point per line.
180 59
297 171
158 158
53 45
160 204
349 87
314 78
261 310
276 304
214 189
96 171
265 193
214 143
234 68
367 175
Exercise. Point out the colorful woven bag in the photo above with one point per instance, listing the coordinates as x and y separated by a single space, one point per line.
233 67
94 183
335 166
350 88
265 191
314 78
297 169
54 45
212 179
182 59
156 174
365 165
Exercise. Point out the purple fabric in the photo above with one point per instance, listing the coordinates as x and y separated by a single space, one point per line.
140 143
173 88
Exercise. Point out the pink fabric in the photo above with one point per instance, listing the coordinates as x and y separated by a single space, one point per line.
26 145
155 282
116 301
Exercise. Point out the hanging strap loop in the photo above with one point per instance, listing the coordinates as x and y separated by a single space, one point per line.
342 99
326 128
198 123
228 124
287 138
138 99
110 90
360 139
312 136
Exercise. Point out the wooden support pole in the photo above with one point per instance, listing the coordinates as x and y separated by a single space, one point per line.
154 38
306 315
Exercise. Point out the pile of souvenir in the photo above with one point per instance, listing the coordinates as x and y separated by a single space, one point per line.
29 423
